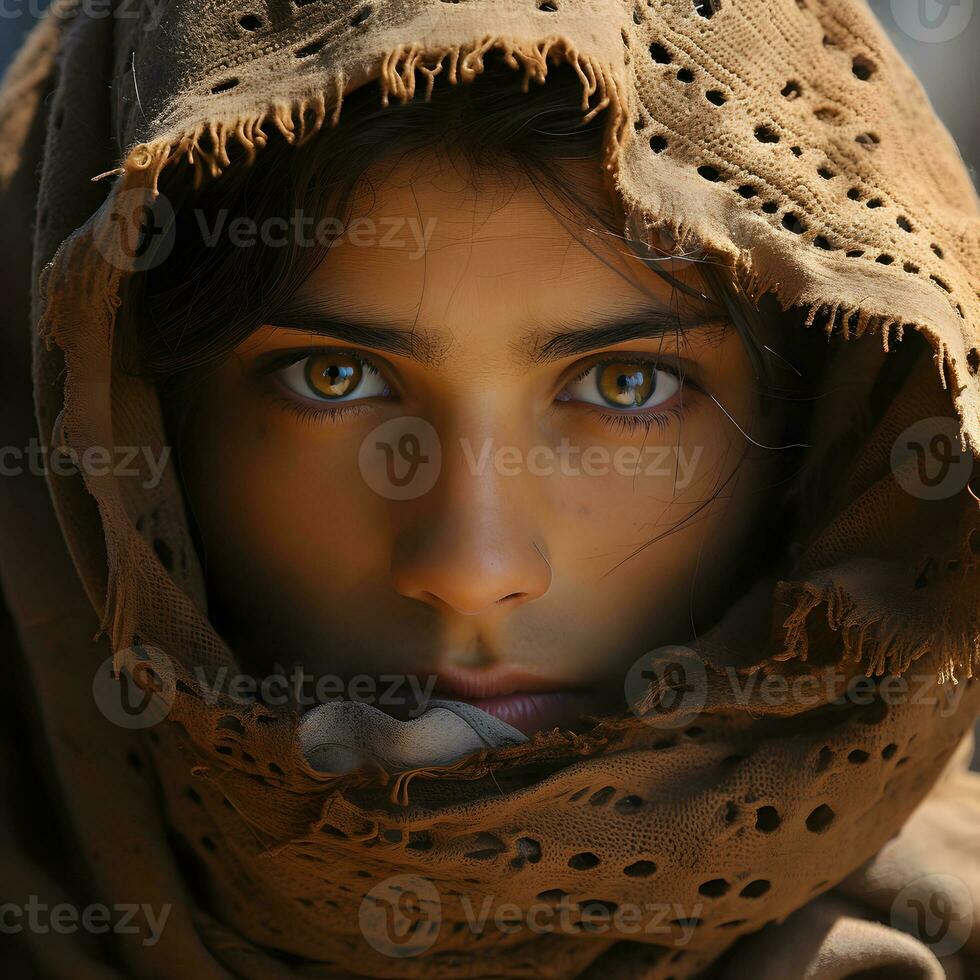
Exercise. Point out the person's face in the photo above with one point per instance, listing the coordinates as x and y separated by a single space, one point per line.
577 501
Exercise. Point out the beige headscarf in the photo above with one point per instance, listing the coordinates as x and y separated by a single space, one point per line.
784 137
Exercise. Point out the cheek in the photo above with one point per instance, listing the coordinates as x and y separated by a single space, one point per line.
279 501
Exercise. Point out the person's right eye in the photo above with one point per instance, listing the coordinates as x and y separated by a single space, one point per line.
333 376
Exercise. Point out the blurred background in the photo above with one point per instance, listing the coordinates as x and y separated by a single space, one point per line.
940 39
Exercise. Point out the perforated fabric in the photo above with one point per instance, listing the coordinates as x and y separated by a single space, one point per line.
783 136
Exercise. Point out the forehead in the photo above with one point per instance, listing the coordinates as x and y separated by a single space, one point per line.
435 245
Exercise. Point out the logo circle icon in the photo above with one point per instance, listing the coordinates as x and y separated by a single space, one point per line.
928 460
401 916
932 21
401 458
938 910
679 679
140 231
142 693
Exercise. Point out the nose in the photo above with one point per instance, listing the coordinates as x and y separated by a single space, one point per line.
470 549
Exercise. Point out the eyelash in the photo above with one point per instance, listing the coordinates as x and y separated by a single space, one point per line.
629 422
313 412
620 421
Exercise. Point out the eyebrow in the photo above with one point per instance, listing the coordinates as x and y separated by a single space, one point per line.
560 344
406 343
538 347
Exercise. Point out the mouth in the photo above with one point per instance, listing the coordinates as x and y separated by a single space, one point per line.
526 701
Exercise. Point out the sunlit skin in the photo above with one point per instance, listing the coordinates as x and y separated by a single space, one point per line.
500 583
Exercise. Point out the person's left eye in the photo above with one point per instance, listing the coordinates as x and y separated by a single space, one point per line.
624 385
333 376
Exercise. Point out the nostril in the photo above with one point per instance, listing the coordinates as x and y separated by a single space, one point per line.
513 595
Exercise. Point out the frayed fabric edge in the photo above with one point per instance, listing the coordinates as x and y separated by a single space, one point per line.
205 146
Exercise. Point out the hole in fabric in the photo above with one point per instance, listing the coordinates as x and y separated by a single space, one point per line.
492 846
715 97
250 22
854 194
578 794
658 144
863 67
420 840
223 749
707 8
791 90
910 267
854 253
755 889
659 54
825 758
584 861
230 724
941 283
791 222
973 360
827 114
875 202
796 151
770 207
602 797
640 869
361 16
885 259
820 819
747 191
937 250
733 924
821 242
629 804
303 3
224 86
826 173
730 814
311 49
767 819
765 135
709 173
867 139
592 907
714 888
276 770
528 849
903 223
552 895
858 757
548 7
685 75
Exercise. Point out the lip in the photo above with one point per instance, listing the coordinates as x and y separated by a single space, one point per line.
527 701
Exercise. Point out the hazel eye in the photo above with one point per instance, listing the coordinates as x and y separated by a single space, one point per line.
624 385
333 376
